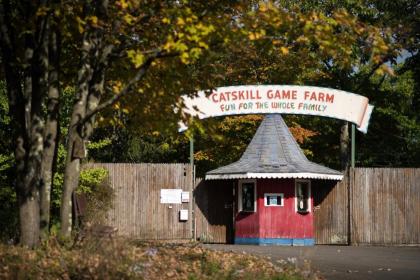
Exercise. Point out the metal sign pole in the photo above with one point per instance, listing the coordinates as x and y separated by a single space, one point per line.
192 151
192 200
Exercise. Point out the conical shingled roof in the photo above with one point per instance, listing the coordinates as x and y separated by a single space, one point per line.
273 153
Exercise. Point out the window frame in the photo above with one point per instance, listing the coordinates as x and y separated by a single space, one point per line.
240 202
309 202
274 194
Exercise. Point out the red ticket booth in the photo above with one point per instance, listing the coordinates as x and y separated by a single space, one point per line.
272 184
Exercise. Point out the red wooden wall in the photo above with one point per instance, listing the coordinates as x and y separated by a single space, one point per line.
275 222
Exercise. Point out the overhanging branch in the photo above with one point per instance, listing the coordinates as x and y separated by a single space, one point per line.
371 72
127 89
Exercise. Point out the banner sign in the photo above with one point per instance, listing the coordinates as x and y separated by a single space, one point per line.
283 99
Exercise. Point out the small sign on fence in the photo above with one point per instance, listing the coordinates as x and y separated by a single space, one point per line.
170 196
183 215
185 197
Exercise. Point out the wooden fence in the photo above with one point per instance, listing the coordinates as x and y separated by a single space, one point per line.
369 206
137 210
385 206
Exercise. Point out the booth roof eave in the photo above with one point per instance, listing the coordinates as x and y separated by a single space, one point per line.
251 175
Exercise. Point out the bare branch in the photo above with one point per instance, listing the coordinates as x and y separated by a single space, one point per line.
377 86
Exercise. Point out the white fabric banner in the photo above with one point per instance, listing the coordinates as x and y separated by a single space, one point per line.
284 99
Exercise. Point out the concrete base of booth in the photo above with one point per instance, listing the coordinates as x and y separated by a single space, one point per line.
275 241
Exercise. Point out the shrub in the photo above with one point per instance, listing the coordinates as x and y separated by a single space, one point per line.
94 185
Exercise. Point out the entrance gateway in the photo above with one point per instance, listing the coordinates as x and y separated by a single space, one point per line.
272 181
280 99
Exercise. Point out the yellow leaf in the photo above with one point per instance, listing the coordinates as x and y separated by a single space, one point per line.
117 87
123 4
42 11
128 18
94 20
80 24
138 60
185 57
263 8
169 43
195 53
136 57
203 45
284 50
180 21
383 47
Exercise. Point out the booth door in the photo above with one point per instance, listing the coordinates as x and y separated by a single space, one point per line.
214 204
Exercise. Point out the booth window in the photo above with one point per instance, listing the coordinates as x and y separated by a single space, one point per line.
303 195
273 199
247 196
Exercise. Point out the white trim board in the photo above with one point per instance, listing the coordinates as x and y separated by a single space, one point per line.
274 175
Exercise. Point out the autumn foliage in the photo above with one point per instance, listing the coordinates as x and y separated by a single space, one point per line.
300 133
117 259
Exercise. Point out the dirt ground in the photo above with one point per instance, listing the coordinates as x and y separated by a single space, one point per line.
343 262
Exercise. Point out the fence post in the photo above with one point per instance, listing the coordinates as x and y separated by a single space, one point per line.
191 209
349 190
353 145
192 204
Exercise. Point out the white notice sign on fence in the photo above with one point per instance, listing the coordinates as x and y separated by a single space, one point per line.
185 197
183 215
172 196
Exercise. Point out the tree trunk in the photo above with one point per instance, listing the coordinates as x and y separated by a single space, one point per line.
27 157
26 74
344 146
51 136
71 179
72 168
90 83
29 144
29 219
